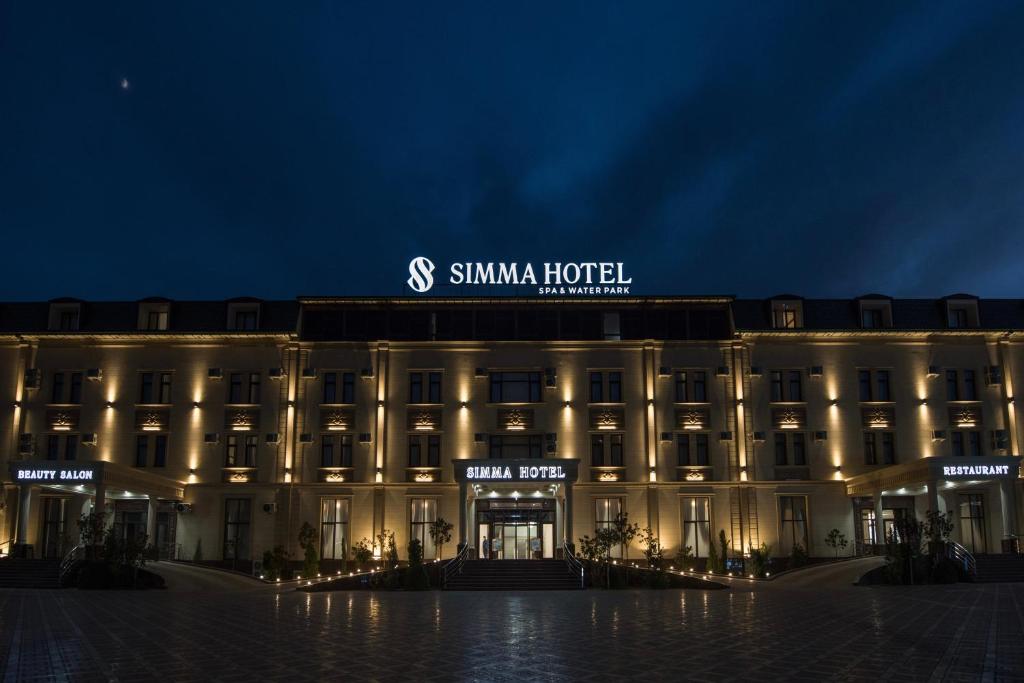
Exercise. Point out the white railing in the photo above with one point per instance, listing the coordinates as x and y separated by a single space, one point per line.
572 562
69 560
454 565
962 556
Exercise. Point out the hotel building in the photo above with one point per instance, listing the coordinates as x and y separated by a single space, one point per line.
220 427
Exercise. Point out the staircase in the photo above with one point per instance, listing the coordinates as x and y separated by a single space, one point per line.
994 568
519 575
21 573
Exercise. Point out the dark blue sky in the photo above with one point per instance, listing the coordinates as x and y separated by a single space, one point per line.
314 148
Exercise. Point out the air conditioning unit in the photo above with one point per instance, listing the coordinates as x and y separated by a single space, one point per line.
480 372
364 437
550 378
183 508
756 371
479 437
270 508
933 371
664 371
276 373
211 438
94 374
821 436
722 371
815 371
1000 439
939 435
89 439
366 373
994 375
33 378
272 438
26 444
758 437
666 436
308 373
305 437
725 436
215 373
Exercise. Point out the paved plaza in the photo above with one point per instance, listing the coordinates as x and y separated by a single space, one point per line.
811 625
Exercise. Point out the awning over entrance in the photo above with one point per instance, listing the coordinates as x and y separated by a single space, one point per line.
88 476
935 469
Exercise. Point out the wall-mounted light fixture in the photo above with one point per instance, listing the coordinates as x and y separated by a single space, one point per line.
924 401
195 405
109 405
464 405
568 404
834 402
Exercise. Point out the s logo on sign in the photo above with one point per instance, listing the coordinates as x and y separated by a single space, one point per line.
421 276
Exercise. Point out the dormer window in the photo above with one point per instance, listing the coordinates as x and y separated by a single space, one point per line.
962 313
787 314
243 316
154 316
875 313
64 317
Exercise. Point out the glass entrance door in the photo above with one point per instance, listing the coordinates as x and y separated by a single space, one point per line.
516 541
972 523
516 530
54 516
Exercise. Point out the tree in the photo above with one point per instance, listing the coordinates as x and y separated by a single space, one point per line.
712 564
440 533
308 541
388 549
416 577
624 531
362 552
760 560
938 526
652 548
684 557
90 531
837 541
595 552
723 547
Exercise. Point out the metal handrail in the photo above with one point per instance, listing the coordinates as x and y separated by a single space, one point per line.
7 543
454 565
572 562
962 556
69 561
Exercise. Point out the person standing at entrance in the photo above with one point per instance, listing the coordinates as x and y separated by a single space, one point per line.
485 549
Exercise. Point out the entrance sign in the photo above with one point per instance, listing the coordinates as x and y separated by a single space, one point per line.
975 470
35 473
533 470
574 278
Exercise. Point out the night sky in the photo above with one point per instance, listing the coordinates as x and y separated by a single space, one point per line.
209 150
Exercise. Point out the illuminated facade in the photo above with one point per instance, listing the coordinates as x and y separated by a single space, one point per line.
224 426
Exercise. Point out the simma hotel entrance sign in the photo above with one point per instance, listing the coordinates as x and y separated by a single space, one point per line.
586 278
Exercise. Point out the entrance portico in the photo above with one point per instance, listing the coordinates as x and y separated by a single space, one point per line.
980 491
91 483
524 507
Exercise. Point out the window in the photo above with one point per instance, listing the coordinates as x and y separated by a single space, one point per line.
692 449
786 386
965 442
611 326
334 515
606 449
793 523
237 515
54 443
66 388
244 387
607 511
155 387
871 318
790 449
606 385
691 386
430 446
154 316
520 446
433 387
252 442
336 450
696 513
231 453
786 315
961 385
879 447
156 320
957 317
68 321
141 450
332 394
874 385
71 447
515 387
972 522
160 450
243 317
422 514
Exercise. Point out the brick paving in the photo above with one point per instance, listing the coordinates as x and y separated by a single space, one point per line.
802 630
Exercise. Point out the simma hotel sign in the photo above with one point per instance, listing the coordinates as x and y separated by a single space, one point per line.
573 278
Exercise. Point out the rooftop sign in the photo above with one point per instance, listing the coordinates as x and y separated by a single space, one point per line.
572 278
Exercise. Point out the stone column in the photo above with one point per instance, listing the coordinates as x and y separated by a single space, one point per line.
933 495
879 522
568 513
1008 508
151 521
21 546
463 503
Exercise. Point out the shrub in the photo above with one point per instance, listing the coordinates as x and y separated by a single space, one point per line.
308 540
275 564
760 560
652 548
416 577
798 556
712 563
723 548
197 556
684 557
945 571
362 552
